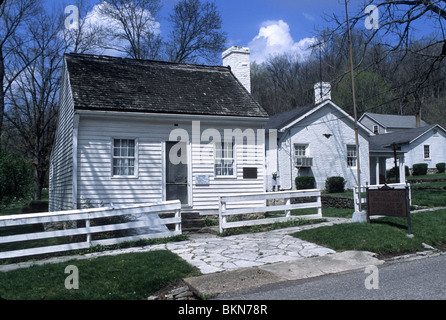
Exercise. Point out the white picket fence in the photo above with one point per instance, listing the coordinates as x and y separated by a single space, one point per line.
149 211
225 211
376 186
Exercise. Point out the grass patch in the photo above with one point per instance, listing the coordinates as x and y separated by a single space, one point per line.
429 198
385 236
131 276
428 176
337 212
98 248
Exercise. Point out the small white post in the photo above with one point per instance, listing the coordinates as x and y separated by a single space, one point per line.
178 224
288 203
87 226
221 210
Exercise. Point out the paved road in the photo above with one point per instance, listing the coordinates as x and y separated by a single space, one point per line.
418 279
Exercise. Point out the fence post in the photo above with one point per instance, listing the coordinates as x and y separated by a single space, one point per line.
178 215
319 208
87 226
221 210
287 212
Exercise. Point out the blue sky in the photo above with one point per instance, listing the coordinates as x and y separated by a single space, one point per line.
266 26
271 26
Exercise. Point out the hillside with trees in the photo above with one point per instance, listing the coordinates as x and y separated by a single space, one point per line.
399 65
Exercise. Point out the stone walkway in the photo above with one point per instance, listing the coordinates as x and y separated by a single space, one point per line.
215 254
211 254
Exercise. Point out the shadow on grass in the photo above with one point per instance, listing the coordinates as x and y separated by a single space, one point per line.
397 224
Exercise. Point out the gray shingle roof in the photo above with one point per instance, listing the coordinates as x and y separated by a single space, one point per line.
396 121
381 142
280 120
116 84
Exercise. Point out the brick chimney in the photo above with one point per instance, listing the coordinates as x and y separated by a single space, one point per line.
238 59
322 92
417 120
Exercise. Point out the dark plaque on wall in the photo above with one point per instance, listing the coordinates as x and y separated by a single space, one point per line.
249 173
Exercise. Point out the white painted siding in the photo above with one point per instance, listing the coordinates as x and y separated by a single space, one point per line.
61 166
329 154
415 151
95 181
96 184
205 198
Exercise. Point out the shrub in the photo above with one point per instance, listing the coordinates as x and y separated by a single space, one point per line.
441 167
419 169
305 182
391 173
335 184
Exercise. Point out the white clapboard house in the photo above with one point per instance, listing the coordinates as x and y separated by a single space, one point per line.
139 131
419 141
316 140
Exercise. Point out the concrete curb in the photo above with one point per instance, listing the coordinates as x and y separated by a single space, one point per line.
211 285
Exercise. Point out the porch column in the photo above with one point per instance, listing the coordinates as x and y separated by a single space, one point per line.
377 171
402 169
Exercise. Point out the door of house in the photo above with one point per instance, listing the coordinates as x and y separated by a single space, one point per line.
176 172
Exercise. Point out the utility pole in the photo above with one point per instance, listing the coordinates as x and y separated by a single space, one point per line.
358 167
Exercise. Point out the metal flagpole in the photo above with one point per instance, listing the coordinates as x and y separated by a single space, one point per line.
358 168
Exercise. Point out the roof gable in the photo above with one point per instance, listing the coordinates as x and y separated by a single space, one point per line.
394 121
115 84
402 137
285 120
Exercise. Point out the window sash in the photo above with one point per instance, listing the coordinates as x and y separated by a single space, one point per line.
300 150
427 154
224 159
124 157
352 156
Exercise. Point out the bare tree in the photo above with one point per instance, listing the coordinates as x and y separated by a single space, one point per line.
86 36
13 15
284 82
395 41
134 27
196 32
32 98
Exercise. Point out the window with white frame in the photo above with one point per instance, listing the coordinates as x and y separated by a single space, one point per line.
124 157
300 150
352 156
427 151
224 159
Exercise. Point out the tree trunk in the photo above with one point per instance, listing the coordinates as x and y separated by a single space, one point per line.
2 93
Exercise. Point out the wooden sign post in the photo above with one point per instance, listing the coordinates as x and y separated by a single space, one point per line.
387 201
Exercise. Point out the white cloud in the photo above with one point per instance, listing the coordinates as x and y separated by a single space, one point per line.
274 38
309 16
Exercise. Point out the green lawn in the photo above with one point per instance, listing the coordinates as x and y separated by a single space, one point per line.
428 176
127 276
384 236
429 194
